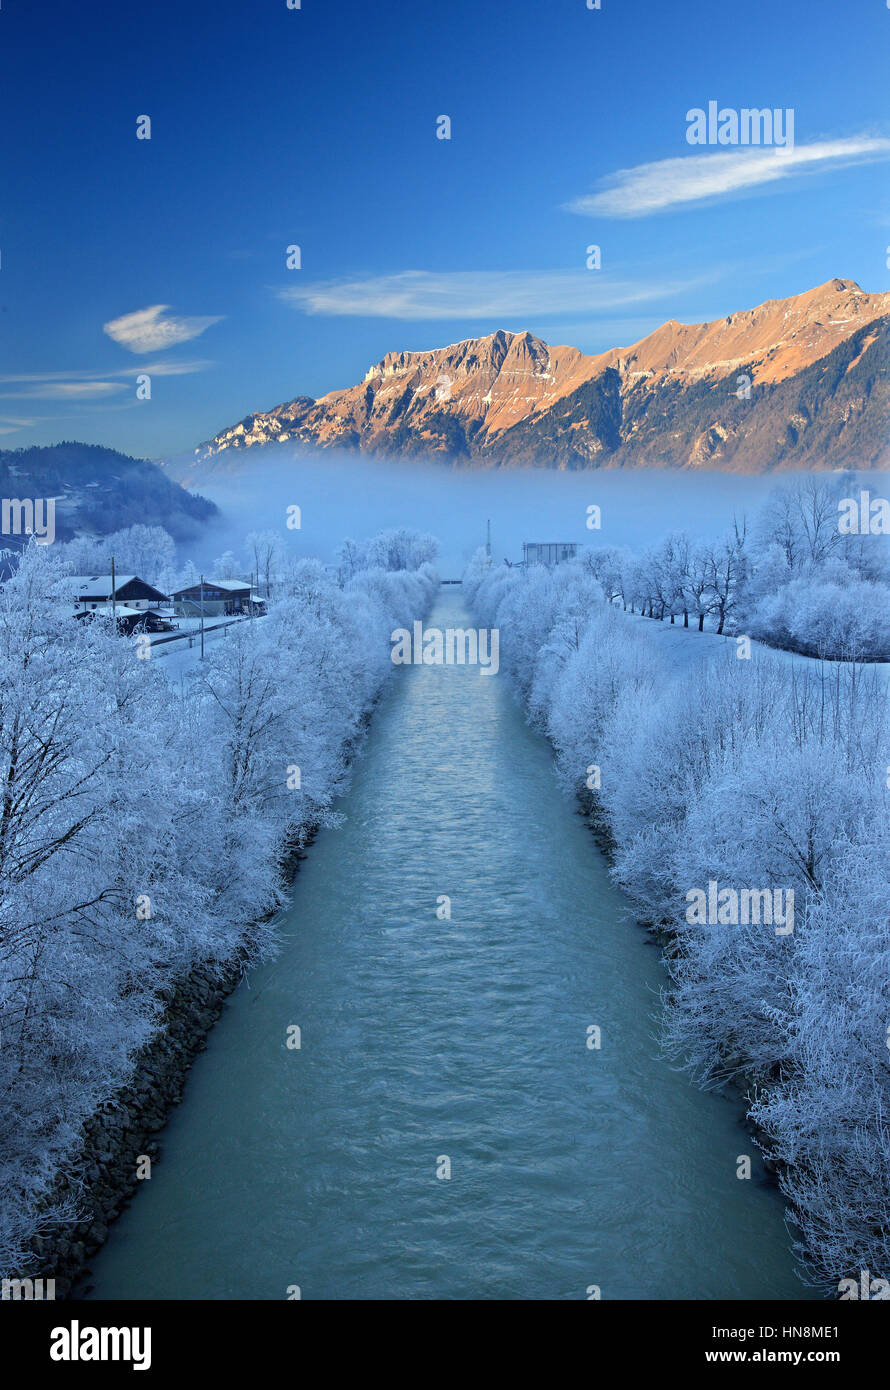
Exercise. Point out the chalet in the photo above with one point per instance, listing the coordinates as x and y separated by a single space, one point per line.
97 592
217 596
548 552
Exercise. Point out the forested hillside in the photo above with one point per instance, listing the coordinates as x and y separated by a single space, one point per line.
98 490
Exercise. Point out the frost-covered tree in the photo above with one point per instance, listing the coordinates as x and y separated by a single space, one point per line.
265 551
227 566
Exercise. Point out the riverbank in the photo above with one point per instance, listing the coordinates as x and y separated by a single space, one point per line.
738 778
110 1163
102 1179
664 937
111 1049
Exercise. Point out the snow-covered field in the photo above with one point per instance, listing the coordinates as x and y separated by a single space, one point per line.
682 651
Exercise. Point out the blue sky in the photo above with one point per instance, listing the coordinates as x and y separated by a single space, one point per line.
317 126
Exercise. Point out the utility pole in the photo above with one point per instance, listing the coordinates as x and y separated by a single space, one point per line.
113 600
202 617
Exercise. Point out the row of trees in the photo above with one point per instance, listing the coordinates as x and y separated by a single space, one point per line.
775 775
797 581
399 549
150 552
678 577
144 829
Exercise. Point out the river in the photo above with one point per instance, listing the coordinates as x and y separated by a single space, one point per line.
426 1038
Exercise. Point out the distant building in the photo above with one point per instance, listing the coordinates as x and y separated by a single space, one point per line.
215 597
548 552
95 592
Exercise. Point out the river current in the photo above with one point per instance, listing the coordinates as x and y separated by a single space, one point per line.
432 1044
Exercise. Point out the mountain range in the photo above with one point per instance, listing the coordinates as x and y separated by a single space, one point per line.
794 383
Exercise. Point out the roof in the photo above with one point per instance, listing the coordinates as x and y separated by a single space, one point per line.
99 585
232 585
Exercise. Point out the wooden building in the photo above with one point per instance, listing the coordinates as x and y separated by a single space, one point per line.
215 597
95 592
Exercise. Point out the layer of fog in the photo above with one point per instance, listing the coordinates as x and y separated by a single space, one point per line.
342 495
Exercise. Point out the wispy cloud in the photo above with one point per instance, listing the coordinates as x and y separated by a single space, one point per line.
64 391
165 368
154 330
479 294
669 183
85 384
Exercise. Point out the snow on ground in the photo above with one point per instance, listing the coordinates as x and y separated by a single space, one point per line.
180 660
686 648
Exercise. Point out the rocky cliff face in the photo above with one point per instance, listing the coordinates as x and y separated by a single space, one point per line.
799 382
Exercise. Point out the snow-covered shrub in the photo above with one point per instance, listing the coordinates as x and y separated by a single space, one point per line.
847 620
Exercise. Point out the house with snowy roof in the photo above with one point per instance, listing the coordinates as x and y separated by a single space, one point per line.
95 591
217 596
